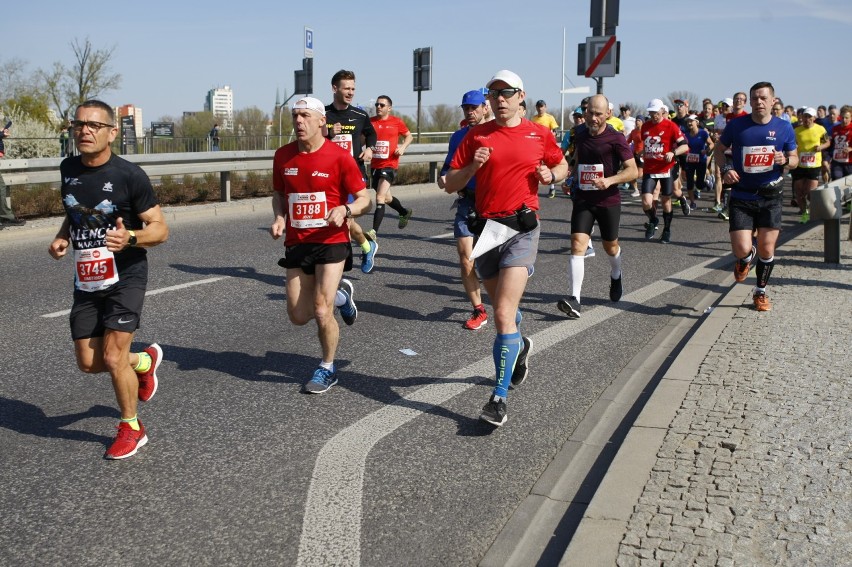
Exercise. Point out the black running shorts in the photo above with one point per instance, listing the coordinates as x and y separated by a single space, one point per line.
650 183
748 215
118 308
307 256
383 173
584 215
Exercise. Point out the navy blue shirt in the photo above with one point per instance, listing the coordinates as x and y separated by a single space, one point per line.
753 148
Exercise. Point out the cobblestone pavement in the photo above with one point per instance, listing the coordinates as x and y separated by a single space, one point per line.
756 468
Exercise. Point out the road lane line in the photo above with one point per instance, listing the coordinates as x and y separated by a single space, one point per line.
331 527
439 236
151 292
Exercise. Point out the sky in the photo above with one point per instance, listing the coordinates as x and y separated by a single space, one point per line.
171 53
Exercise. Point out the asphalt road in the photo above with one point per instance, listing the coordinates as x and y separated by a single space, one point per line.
390 467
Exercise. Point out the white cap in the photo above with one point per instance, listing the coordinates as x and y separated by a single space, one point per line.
611 106
508 77
810 111
310 103
656 105
692 117
729 101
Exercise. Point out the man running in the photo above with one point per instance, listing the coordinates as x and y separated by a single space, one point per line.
313 180
547 120
663 141
762 146
811 140
385 163
345 126
475 110
603 160
510 157
111 217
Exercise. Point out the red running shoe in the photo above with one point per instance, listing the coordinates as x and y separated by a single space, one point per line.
761 302
477 320
127 442
148 380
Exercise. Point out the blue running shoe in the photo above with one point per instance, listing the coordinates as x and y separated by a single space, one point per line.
368 259
348 310
322 381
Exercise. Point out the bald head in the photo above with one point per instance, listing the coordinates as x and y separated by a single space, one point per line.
596 114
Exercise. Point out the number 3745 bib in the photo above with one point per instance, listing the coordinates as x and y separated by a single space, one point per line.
95 268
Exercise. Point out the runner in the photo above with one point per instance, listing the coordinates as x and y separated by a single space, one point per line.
111 217
345 126
811 139
695 161
510 157
635 142
603 160
547 120
313 179
386 154
841 137
762 145
663 142
474 108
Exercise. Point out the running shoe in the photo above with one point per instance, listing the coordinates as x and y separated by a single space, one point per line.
692 204
148 380
570 307
552 194
322 381
717 208
741 269
371 235
635 193
494 412
723 214
650 229
666 237
519 374
697 196
403 219
684 207
805 218
615 288
368 259
349 311
761 302
477 320
590 251
126 442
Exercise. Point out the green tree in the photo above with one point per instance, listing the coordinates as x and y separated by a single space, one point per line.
19 89
89 76
250 121
443 118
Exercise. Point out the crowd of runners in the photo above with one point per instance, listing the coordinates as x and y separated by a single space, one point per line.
495 164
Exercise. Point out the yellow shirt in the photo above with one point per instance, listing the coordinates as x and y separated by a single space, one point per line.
616 123
546 120
807 139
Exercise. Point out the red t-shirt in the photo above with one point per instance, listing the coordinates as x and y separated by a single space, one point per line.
841 138
730 116
388 132
659 139
507 181
314 183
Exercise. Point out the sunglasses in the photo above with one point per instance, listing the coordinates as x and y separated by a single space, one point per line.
380 105
91 124
505 93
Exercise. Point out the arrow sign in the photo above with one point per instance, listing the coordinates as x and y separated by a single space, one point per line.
601 54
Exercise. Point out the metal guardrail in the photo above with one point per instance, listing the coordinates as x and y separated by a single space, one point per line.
46 170
827 203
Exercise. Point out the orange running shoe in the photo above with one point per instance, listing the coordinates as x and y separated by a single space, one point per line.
741 269
761 302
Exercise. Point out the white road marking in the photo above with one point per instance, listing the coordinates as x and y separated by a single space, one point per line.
440 236
150 292
331 528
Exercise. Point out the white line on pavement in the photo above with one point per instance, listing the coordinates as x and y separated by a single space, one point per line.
331 527
151 292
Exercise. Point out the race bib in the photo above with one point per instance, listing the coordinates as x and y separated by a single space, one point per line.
693 158
587 173
758 159
841 155
807 159
382 149
95 268
345 142
307 210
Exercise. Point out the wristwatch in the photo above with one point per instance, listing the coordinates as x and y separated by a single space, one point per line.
132 241
726 168
348 211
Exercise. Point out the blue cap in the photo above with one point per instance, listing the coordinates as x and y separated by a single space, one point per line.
473 97
578 110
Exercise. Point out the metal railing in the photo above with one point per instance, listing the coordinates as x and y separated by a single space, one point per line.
46 170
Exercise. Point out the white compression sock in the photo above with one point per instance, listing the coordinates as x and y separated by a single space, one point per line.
576 272
615 264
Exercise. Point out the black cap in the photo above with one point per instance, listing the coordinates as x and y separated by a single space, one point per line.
540 103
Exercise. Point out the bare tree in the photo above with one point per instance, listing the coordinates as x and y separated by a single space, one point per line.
89 76
251 121
443 118
693 99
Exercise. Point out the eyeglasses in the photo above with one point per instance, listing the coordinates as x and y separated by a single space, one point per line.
505 93
678 104
93 126
380 105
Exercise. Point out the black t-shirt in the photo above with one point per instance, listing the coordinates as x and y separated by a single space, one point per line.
354 123
609 149
94 197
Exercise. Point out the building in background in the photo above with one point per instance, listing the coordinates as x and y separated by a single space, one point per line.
220 101
136 113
